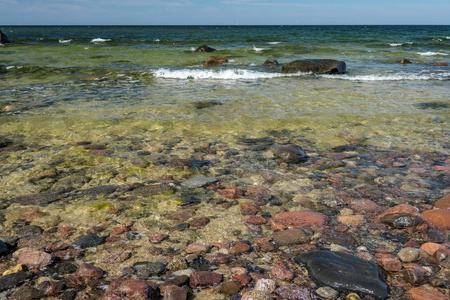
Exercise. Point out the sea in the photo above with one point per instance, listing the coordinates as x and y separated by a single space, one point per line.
61 84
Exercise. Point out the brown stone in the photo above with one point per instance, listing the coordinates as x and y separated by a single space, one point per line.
400 209
443 203
90 271
256 220
351 220
243 279
51 287
36 259
297 219
66 231
199 222
204 279
229 287
437 218
173 292
364 206
213 61
117 257
239 248
294 236
234 193
390 264
158 238
425 294
281 271
129 289
441 64
404 61
181 216
120 230
414 274
198 248
249 209
430 248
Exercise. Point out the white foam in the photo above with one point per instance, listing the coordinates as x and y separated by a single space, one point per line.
61 41
157 40
395 44
429 53
273 43
257 49
99 40
218 74
392 77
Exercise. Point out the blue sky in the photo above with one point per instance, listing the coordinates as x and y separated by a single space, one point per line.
223 12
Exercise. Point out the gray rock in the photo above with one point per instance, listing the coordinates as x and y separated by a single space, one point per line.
205 48
3 248
401 220
271 63
316 66
290 237
409 254
327 292
90 240
10 241
12 280
29 230
198 182
344 272
146 269
291 154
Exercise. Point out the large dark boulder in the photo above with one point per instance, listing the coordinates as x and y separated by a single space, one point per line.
3 38
205 48
316 66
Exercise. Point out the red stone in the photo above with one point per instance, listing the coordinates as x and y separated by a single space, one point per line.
198 248
129 289
297 219
390 264
249 209
89 271
234 193
256 220
199 222
36 259
430 248
438 218
51 287
443 203
66 231
400 209
204 279
120 230
158 238
173 292
281 271
441 64
213 61
243 279
240 248
425 294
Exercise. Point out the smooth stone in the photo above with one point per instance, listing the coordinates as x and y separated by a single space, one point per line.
316 66
409 254
345 272
198 182
443 203
297 219
3 248
146 269
173 292
327 292
401 220
203 279
129 289
425 294
294 292
265 285
438 218
87 241
10 241
12 280
256 295
89 271
291 154
288 237
36 259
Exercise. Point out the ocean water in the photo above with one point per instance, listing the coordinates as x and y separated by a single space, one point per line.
73 83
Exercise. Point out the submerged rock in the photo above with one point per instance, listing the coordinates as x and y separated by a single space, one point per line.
90 240
271 63
205 48
198 182
213 61
345 272
316 66
291 154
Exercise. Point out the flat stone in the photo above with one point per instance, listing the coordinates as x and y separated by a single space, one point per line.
204 279
297 219
438 218
351 220
130 289
431 248
409 254
173 292
401 220
87 241
146 269
240 248
288 237
36 259
294 292
256 295
425 294
327 292
281 271
414 274
198 248
316 66
90 271
198 182
12 280
291 154
229 287
344 272
400 209
265 285
443 203
390 264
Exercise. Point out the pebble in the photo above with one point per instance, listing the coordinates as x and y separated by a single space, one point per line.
414 274
290 237
425 294
443 203
281 271
130 289
265 285
430 248
173 292
36 259
297 219
87 241
198 182
89 271
146 269
409 254
294 292
229 287
390 264
117 257
203 279
438 218
12 280
198 248
327 293
291 154
256 220
240 248
249 209
256 295
3 248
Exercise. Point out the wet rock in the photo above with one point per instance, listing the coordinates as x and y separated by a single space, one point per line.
146 269
414 274
441 64
173 292
38 199
400 209
117 257
291 154
443 203
205 48
409 254
390 264
10 241
49 288
425 294
199 222
438 218
29 230
290 237
327 292
204 279
12 280
3 248
430 248
249 209
297 219
316 66
198 182
26 292
401 220
67 268
265 285
177 263
345 272
294 292
240 248
281 271
35 259
213 61
198 248
158 238
153 190
229 287
130 289
99 191
89 271
87 241
271 63
256 220
256 295
404 61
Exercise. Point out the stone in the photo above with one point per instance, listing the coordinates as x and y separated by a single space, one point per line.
199 222
198 248
441 64
198 182
26 292
12 280
122 289
404 61
256 295
414 274
390 264
173 292
265 285
281 271
146 269
344 272
177 263
430 248
205 48
203 279
316 66
87 241
351 220
294 292
240 248
49 288
443 203
229 287
291 154
256 220
213 61
36 259
271 63
297 219
401 220
158 238
409 254
294 236
425 294
117 257
3 248
400 209
249 209
89 271
438 218
327 292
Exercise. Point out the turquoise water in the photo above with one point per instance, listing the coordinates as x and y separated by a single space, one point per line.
92 82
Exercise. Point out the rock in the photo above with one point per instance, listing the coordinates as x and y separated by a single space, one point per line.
265 285
249 209
414 274
240 248
205 48
36 259
229 287
177 263
291 154
290 237
198 182
204 279
271 63
89 271
425 294
49 288
12 280
430 248
38 199
281 271
153 190
256 220
3 38
400 209
3 248
158 238
146 269
87 241
130 289
256 295
351 220
316 66
199 222
198 248
213 61
441 64
29 230
173 292
297 219
443 203
327 292
294 292
404 61
409 254
390 264
26 292
3 69
401 220
438 218
345 272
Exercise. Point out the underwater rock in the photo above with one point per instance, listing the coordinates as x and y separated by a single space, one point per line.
205 48
291 154
404 61
198 182
87 241
316 66
14 279
129 289
345 272
146 269
213 61
271 63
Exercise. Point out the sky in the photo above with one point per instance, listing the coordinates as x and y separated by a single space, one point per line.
224 12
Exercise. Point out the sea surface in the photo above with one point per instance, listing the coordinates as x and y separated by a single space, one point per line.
146 83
